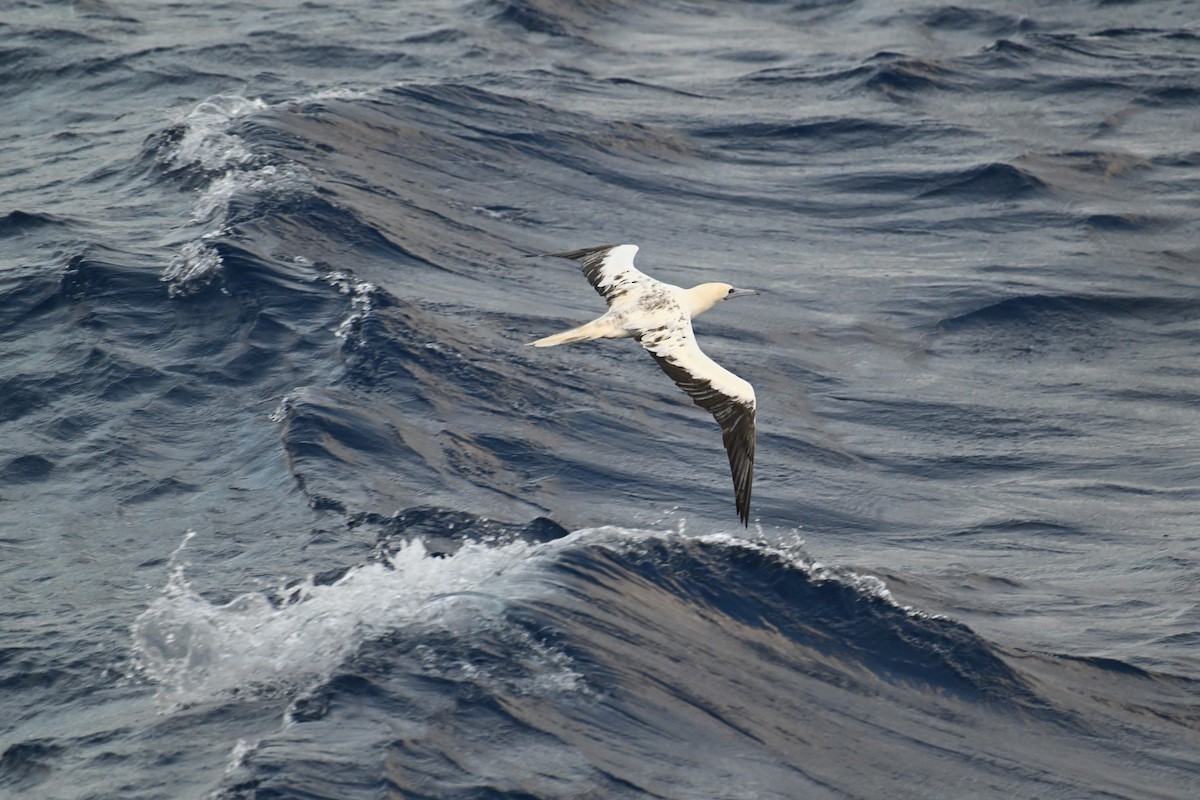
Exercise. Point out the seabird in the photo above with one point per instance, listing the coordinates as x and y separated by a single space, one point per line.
659 315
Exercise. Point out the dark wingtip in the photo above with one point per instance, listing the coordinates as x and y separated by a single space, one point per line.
584 252
741 500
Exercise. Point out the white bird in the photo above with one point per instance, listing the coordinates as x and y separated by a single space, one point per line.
659 315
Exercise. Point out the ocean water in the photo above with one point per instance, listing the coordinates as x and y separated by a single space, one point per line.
288 510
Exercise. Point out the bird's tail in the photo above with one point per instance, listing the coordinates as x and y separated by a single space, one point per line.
592 330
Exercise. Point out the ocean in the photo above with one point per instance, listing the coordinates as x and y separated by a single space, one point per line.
289 510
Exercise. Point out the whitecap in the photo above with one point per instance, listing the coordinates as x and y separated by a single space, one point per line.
208 140
282 644
232 170
193 267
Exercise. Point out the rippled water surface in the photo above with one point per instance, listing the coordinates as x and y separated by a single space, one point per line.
287 508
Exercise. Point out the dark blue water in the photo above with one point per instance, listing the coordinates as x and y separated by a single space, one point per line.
288 510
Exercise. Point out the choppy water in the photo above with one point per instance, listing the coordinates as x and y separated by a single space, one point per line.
288 510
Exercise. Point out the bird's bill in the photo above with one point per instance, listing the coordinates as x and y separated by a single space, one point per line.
740 293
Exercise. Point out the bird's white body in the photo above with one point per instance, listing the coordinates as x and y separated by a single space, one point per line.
644 306
659 315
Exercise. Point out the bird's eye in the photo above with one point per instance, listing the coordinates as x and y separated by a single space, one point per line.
729 292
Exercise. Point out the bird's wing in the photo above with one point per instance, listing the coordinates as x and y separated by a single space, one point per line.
609 269
717 390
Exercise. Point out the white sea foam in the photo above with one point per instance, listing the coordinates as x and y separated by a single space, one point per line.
284 408
237 756
208 140
361 294
194 266
274 180
198 651
233 169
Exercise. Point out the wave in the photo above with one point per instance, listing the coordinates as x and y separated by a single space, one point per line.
208 152
1077 312
258 643
893 75
816 136
17 222
711 664
959 18
196 649
988 182
556 17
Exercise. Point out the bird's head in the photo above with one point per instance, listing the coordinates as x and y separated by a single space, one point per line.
707 295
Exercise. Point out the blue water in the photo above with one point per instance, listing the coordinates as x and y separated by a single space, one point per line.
288 510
